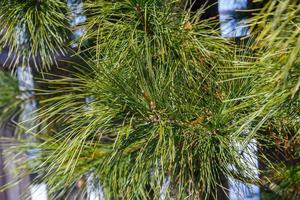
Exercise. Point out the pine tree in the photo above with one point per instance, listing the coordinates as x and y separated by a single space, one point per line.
152 102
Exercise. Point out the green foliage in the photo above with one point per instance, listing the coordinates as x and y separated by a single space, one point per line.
160 96
157 108
9 100
285 183
272 105
290 182
276 71
34 29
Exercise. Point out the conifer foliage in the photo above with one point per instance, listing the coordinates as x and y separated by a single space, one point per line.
34 31
158 104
